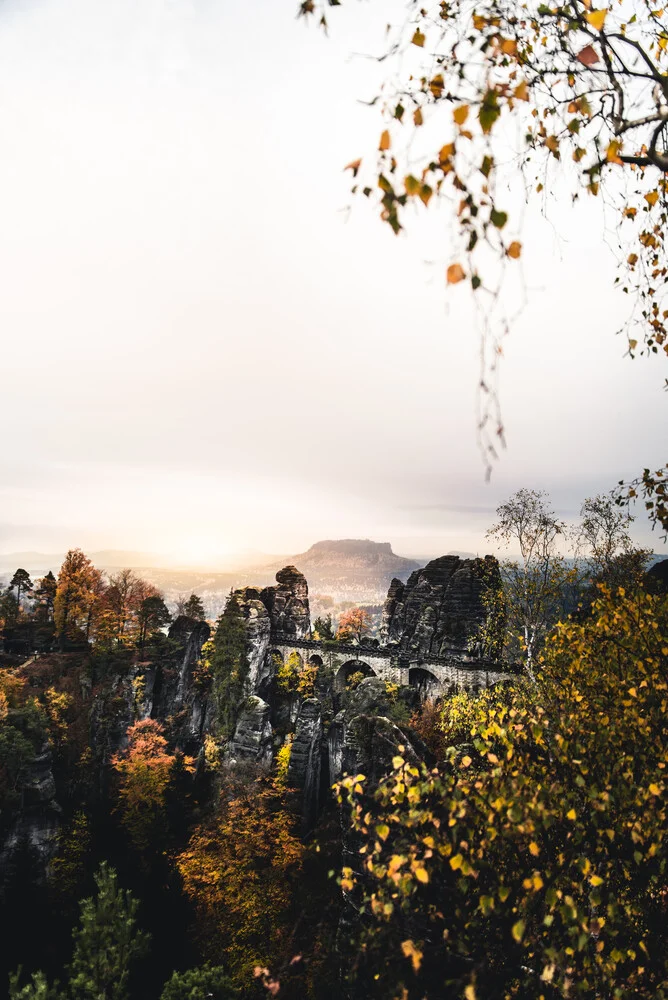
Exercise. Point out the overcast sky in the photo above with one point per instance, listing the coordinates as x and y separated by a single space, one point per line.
204 353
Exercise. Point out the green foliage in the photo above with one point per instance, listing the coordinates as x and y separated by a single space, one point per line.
533 863
194 608
323 628
37 989
106 942
105 945
208 982
229 665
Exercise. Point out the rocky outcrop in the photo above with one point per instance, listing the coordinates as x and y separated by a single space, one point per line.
258 631
252 737
38 821
287 604
305 768
440 609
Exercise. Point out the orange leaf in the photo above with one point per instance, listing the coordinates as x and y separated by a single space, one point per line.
385 142
354 166
588 56
455 273
514 250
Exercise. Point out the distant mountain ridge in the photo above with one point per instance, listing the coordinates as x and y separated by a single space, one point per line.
357 568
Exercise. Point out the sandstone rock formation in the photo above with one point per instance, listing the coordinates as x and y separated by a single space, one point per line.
440 609
252 736
287 604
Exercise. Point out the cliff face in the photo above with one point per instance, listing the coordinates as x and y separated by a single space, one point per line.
287 604
440 609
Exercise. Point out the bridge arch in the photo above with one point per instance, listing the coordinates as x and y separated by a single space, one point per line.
427 684
346 671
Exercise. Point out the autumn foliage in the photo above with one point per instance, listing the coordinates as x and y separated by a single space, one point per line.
533 862
144 770
240 870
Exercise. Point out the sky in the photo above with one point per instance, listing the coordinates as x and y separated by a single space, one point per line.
206 352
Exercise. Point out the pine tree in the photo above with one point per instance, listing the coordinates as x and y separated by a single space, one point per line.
106 941
230 664
194 608
153 615
22 583
45 595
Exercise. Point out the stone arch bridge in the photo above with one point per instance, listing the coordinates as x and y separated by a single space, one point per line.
435 676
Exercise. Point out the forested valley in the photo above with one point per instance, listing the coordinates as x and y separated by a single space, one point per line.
497 821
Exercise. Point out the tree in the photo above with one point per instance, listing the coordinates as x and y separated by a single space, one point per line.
240 870
526 93
323 628
106 943
354 625
194 608
533 585
145 770
76 579
532 863
209 982
152 616
229 664
603 538
45 595
22 583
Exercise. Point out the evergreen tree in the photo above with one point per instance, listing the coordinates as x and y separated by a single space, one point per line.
229 663
45 595
153 615
323 628
209 982
22 583
105 945
194 608
106 941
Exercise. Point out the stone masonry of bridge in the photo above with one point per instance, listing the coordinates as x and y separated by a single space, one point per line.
437 675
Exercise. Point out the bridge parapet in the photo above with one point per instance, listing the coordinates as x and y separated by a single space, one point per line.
437 675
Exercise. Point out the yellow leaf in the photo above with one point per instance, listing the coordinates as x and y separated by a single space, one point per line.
415 955
460 114
509 46
571 814
418 38
466 761
456 862
470 993
383 831
612 153
455 273
522 91
411 184
534 849
436 85
514 250
417 117
385 141
518 930
596 880
654 789
652 198
597 19
422 875
397 762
